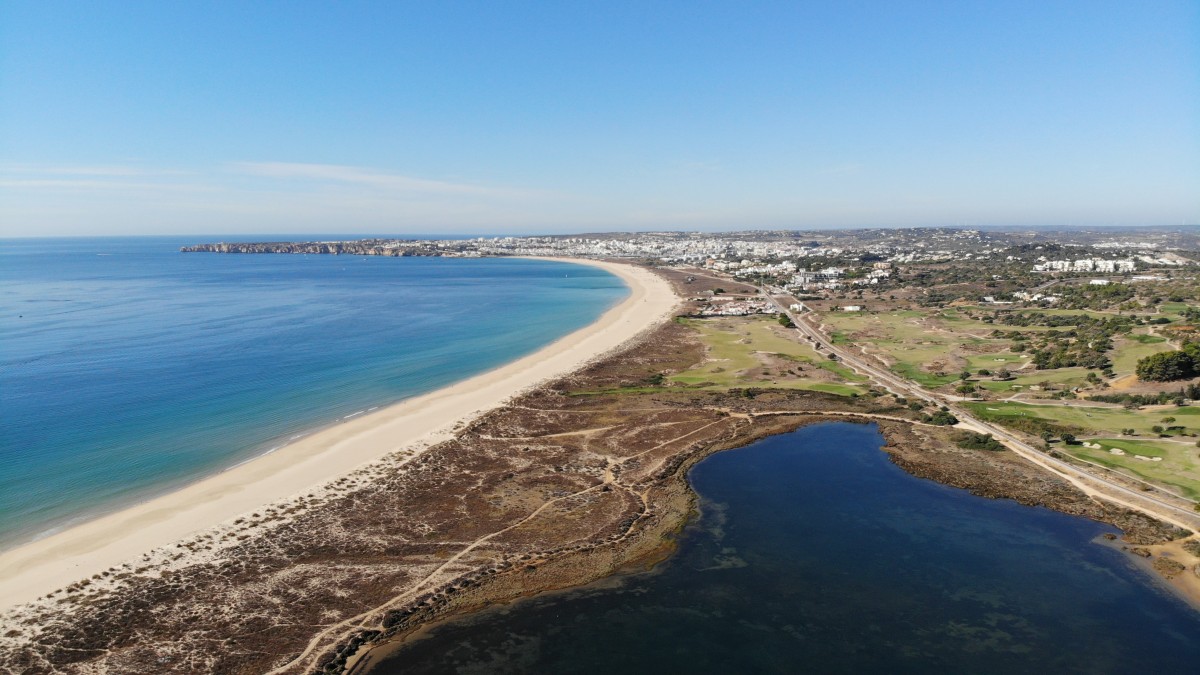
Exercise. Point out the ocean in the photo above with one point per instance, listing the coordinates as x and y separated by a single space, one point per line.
128 369
814 553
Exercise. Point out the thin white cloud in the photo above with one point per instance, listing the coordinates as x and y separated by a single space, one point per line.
353 175
98 185
110 170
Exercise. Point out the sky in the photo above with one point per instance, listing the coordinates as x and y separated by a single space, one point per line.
545 117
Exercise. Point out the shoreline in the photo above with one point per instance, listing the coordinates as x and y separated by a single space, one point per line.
37 567
561 485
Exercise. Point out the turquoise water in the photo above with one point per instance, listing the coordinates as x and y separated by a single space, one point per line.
128 368
815 554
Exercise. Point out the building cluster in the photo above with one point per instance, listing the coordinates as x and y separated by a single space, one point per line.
1085 265
742 253
1036 297
808 280
801 262
736 307
745 269
724 253
879 272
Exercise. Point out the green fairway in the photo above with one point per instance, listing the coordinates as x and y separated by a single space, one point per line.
996 361
932 347
757 352
1026 380
1173 309
841 371
1094 420
1128 351
925 379
917 346
1165 462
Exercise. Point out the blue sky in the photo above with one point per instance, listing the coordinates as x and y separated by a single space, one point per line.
465 117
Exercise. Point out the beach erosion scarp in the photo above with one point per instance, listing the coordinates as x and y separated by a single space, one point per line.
39 567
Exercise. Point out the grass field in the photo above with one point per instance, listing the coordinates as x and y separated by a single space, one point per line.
918 348
933 351
1179 458
1178 464
995 361
1094 420
1172 310
932 347
757 352
1127 351
1025 379
924 378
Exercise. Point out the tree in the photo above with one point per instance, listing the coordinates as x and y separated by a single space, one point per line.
1003 374
1167 420
1167 366
1156 429
964 375
1067 439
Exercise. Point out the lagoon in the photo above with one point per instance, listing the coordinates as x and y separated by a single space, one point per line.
814 553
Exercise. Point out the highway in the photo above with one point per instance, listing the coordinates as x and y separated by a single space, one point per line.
1177 512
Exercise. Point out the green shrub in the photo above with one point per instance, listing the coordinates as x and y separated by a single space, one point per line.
973 441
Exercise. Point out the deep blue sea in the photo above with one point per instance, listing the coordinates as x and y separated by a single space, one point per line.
815 554
128 368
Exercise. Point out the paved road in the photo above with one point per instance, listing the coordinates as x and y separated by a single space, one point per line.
1177 512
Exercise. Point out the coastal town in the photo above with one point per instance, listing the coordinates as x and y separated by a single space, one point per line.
1007 267
1060 371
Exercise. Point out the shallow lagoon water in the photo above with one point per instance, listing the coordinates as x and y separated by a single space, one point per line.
814 553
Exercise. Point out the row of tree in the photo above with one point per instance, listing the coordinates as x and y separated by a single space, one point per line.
1191 391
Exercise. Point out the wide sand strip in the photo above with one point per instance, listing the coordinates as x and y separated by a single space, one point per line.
39 567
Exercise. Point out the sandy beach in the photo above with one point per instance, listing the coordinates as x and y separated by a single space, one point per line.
39 567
